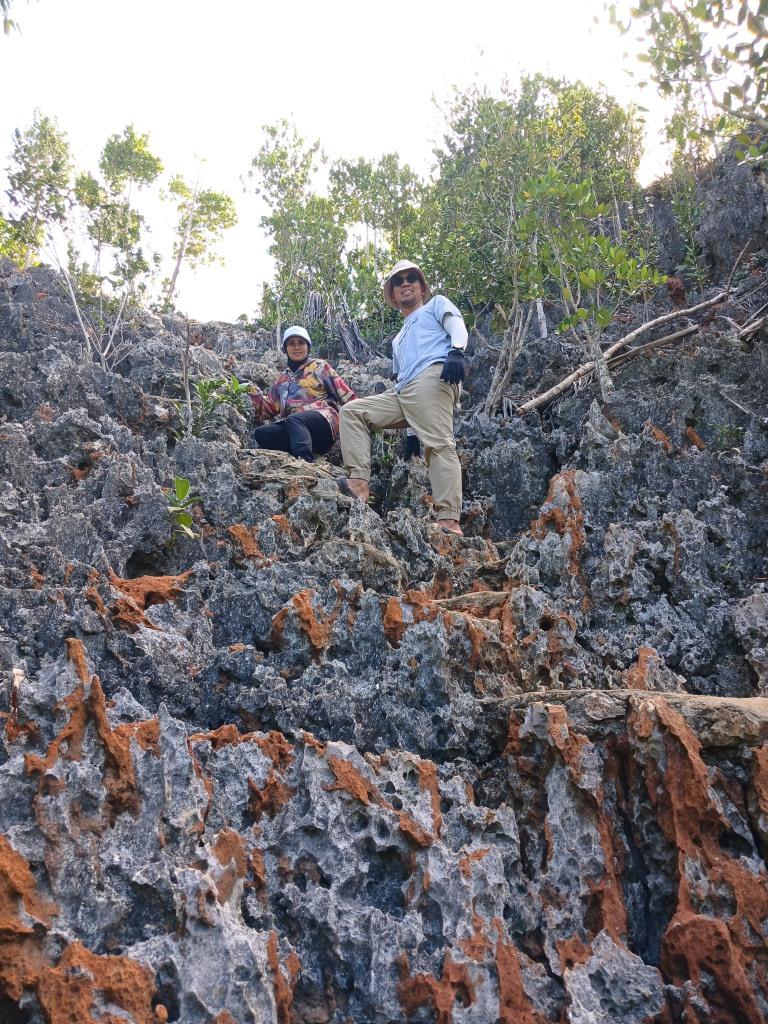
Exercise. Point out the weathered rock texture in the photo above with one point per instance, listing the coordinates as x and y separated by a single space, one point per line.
324 765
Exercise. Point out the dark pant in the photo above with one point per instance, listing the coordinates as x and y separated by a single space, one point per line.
301 434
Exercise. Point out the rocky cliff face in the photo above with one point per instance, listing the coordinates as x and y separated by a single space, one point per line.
325 765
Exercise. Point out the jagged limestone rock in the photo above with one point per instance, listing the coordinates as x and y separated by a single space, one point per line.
323 764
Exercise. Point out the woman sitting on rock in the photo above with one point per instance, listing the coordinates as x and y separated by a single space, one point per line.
300 412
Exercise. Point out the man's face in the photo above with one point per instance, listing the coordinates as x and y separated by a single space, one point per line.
407 290
296 348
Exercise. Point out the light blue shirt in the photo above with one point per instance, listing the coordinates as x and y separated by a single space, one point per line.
422 340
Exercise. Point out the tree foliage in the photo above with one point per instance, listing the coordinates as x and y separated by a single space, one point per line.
12 246
39 177
5 12
203 217
114 225
712 55
306 230
379 203
492 143
465 226
126 161
594 276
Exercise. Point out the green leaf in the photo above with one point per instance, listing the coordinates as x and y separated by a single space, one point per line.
603 317
182 487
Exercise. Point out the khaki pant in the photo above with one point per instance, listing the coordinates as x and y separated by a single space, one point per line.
427 405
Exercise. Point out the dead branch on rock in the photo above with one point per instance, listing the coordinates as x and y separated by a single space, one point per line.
742 408
657 343
18 676
753 326
586 368
481 601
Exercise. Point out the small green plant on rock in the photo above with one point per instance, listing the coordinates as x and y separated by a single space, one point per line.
384 449
180 504
727 436
208 397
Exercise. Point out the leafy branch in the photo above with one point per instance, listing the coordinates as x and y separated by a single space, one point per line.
181 501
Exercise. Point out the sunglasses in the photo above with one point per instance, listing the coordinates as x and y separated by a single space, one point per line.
411 277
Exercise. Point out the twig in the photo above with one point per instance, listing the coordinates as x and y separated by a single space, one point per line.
185 382
76 307
753 327
742 408
585 368
657 343
108 347
735 265
512 342
754 315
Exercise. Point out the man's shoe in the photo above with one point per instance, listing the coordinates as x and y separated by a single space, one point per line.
343 485
455 531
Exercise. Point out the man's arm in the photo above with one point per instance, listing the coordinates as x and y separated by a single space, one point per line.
456 330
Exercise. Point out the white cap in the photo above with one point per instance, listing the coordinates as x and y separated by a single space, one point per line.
301 332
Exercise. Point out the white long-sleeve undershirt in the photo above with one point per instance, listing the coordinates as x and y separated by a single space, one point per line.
456 330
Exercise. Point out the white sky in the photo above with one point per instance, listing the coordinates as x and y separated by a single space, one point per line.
202 79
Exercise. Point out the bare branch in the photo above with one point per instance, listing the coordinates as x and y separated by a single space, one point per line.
76 307
586 368
185 383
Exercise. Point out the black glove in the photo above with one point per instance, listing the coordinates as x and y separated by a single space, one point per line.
412 447
453 368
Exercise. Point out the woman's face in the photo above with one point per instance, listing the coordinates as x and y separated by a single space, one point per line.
296 348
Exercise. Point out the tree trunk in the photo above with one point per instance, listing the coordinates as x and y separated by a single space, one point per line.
29 247
617 219
183 247
604 379
543 332
512 342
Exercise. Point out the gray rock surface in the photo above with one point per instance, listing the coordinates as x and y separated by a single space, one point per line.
323 765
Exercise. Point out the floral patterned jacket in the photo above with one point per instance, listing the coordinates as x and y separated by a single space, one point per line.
312 387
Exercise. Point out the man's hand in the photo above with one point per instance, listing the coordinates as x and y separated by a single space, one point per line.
453 368
412 447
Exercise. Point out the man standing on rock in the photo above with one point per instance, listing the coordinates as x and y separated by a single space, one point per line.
428 360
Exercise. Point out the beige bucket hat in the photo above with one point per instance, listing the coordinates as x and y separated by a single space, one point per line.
398 268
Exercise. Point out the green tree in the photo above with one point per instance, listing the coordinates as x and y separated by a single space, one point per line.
379 202
593 276
308 246
39 181
713 54
306 231
126 161
492 143
5 11
204 216
12 247
383 196
114 226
